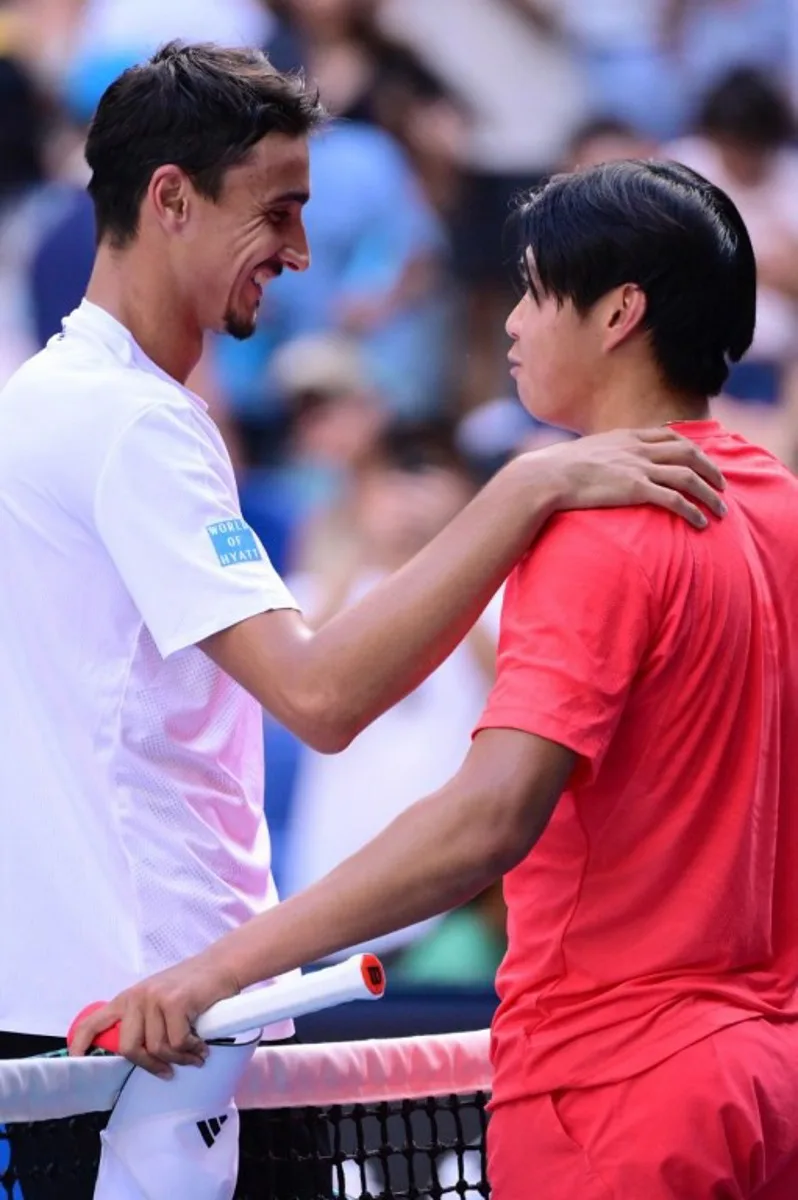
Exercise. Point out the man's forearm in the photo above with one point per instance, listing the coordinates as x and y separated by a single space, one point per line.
372 654
326 686
435 856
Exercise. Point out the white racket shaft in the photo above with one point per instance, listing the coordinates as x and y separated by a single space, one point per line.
360 977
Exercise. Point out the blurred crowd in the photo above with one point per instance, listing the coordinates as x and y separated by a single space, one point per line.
374 397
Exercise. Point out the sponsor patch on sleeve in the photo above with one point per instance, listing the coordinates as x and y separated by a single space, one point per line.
234 542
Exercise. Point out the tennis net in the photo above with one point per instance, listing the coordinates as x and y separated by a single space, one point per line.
396 1118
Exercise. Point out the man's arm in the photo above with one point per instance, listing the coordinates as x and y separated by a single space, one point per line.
437 854
440 853
326 686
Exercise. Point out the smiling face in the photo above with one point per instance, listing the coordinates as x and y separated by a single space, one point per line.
225 251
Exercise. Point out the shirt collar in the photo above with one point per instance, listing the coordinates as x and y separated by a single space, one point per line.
92 321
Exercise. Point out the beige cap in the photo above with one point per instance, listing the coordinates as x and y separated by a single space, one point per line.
324 363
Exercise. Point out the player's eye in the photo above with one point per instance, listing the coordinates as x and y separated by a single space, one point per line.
278 216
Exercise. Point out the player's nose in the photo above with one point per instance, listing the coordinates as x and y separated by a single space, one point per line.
513 324
295 255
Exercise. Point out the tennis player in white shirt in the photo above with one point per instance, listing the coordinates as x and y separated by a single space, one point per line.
142 626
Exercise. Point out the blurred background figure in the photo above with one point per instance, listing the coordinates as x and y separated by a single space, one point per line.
522 91
646 62
300 503
413 485
464 949
627 51
606 139
375 392
744 140
24 208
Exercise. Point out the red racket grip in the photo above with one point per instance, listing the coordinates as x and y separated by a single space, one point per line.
109 1040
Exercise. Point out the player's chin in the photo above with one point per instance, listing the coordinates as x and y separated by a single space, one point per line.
539 401
240 325
530 397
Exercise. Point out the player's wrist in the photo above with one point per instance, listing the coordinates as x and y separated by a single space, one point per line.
220 965
539 485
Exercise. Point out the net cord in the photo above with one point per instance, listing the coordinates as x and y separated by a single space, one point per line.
338 1073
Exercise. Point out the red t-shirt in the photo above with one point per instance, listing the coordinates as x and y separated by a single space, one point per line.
661 903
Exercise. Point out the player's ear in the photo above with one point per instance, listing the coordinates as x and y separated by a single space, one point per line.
169 194
624 309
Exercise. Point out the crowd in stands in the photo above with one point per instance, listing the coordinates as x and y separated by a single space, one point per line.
374 396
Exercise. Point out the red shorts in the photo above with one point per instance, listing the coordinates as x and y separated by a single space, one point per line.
719 1121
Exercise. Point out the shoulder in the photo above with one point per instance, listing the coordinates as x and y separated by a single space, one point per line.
590 575
75 397
130 391
609 534
598 556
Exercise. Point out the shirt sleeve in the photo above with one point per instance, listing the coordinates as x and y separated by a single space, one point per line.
167 511
574 632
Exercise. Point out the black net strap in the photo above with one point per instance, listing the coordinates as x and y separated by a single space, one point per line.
400 1150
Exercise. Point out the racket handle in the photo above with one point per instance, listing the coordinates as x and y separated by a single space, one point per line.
360 977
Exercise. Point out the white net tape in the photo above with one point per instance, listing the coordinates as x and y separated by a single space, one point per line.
39 1089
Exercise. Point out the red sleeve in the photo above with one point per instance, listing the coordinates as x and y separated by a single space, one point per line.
575 628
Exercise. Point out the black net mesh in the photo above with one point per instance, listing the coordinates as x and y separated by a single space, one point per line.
401 1150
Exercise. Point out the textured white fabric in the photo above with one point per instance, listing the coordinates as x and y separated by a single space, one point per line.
131 767
177 1137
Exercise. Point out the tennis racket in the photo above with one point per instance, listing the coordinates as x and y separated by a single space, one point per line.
360 977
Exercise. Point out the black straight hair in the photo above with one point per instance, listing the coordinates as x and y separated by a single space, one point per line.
201 107
664 228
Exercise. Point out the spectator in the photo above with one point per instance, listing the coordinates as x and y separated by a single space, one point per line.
647 62
61 262
606 139
517 79
402 500
300 505
25 207
626 49
113 34
743 141
368 76
714 36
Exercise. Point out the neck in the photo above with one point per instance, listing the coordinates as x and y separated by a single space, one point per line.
144 300
637 404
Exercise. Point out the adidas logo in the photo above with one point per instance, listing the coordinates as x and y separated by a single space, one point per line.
211 1129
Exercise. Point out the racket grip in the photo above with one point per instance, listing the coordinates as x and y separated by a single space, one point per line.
107 1040
360 977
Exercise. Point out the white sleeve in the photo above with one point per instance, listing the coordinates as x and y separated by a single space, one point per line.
167 511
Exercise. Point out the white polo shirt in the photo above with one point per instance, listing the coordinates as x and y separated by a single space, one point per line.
131 767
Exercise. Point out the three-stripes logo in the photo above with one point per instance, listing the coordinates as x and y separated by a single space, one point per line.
211 1129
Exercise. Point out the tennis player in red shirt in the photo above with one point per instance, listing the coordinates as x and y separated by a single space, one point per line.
635 774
